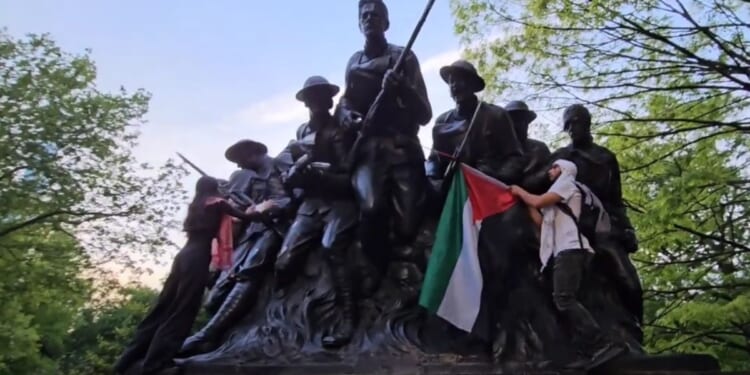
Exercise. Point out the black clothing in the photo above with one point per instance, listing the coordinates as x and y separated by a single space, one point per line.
569 270
160 334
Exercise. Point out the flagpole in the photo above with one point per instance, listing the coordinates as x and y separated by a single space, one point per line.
460 148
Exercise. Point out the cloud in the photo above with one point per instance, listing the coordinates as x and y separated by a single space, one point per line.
433 64
280 109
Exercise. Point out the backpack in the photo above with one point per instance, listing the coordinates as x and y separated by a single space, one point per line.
593 220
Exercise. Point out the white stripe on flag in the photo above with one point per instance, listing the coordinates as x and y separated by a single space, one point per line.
463 296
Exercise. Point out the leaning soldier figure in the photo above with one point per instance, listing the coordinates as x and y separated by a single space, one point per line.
235 292
599 170
328 215
388 164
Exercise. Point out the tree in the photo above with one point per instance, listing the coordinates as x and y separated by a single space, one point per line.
668 83
101 331
74 198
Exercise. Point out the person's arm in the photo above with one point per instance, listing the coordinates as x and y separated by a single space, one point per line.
230 210
536 216
536 201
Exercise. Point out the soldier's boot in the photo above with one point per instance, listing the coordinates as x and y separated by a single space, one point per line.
237 304
342 332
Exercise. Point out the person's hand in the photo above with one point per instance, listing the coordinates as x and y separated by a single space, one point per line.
265 206
516 190
392 80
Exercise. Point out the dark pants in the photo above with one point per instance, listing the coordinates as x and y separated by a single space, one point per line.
159 336
568 272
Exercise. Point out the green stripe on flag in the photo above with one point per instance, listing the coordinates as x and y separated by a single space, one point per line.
447 246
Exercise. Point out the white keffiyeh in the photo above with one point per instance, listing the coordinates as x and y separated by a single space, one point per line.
564 183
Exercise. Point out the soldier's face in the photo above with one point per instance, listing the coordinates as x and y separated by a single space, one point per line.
372 20
520 123
252 161
318 103
577 130
459 86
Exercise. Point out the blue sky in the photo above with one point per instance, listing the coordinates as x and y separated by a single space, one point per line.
224 70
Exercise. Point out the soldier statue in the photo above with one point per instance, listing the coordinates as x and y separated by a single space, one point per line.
536 153
328 215
388 164
491 146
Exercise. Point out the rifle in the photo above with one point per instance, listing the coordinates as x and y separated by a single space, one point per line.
460 148
368 119
188 162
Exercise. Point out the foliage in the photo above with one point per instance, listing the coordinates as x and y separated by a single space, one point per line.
668 83
101 331
74 198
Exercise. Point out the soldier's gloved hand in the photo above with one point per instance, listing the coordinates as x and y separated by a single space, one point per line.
629 240
392 80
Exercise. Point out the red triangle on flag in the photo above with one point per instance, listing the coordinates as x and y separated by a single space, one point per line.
487 195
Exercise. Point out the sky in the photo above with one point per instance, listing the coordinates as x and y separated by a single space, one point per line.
222 71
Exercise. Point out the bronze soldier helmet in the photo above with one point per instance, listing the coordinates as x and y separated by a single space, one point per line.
521 107
577 113
236 152
316 83
476 82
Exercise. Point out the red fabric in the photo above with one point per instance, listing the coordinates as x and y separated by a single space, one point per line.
487 195
222 246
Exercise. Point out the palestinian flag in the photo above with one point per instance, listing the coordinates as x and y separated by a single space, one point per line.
452 286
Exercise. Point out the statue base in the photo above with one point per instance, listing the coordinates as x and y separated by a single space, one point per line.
454 365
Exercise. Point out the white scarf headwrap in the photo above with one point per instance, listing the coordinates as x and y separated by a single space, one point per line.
547 241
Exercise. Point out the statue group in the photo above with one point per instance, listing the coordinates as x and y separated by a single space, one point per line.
332 274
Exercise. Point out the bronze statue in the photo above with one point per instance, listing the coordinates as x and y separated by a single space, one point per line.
257 184
328 214
536 153
388 164
599 170
491 146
